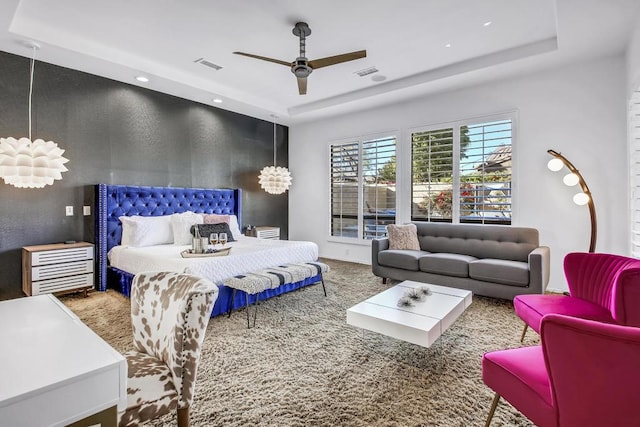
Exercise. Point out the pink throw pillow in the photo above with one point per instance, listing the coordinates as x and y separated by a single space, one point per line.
216 219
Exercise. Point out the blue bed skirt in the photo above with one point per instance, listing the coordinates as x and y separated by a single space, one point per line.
121 281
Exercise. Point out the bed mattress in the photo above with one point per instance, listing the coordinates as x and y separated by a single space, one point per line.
247 254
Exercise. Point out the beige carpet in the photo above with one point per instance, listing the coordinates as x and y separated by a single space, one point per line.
302 365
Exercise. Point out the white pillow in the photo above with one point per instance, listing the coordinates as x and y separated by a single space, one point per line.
234 227
181 224
138 231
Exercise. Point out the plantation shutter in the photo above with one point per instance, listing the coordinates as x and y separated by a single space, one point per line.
432 175
344 189
485 173
634 131
378 186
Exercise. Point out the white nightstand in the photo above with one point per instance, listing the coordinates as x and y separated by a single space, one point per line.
272 233
57 268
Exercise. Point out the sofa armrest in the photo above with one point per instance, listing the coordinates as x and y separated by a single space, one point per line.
377 245
539 268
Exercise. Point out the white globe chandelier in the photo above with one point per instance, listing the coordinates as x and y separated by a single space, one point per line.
275 179
25 163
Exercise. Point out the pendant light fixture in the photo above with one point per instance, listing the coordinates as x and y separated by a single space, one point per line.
272 179
25 163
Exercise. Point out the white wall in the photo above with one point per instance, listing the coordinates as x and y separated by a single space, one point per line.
578 110
633 59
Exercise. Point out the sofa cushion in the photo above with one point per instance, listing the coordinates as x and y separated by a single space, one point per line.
403 236
398 258
448 264
501 271
480 241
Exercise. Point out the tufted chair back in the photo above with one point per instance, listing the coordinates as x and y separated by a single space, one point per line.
609 280
603 287
169 315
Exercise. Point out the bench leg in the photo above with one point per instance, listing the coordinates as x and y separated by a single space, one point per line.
323 287
255 310
233 296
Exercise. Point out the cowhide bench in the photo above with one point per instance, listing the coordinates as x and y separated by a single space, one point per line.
270 278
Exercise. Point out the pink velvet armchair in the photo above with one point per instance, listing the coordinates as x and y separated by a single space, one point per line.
602 287
584 373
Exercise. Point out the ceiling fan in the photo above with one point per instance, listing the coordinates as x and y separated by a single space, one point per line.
301 66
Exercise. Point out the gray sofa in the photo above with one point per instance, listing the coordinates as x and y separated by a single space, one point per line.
491 260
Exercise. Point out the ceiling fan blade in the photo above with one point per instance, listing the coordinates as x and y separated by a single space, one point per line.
302 85
264 58
332 60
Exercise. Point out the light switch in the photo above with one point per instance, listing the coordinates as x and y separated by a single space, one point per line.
69 210
86 210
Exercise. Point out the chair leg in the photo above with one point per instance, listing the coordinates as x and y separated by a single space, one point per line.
494 405
323 287
183 417
524 331
384 280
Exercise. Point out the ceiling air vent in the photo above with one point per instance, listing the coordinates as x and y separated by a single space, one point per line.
367 71
208 64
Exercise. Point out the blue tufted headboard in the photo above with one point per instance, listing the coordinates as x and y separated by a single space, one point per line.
113 201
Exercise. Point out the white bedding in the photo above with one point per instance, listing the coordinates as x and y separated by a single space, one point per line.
247 254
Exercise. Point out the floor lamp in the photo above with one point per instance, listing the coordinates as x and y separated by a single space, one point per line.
583 198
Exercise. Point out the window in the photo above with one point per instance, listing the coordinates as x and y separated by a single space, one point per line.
462 173
485 173
432 175
363 188
344 189
634 187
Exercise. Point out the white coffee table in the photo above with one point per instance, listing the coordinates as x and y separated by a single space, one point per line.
419 324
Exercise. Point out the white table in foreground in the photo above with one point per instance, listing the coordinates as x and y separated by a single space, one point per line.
419 324
54 370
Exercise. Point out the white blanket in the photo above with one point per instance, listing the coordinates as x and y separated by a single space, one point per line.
247 254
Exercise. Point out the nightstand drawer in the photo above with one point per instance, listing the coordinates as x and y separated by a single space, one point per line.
62 284
61 255
61 270
272 233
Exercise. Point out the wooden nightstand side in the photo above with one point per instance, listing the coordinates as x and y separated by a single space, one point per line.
272 233
57 268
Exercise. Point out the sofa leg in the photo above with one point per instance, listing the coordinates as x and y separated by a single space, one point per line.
524 331
494 405
384 280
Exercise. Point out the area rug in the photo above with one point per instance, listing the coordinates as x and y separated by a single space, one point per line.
302 365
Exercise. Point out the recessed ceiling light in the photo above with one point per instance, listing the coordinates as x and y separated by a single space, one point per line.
378 78
447 45
142 79
486 24
217 101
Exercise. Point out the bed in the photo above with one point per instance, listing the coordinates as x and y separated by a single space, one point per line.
117 264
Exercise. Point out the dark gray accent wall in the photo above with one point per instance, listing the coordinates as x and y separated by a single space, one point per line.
122 134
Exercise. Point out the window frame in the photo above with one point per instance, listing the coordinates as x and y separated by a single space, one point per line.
456 125
634 173
360 140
